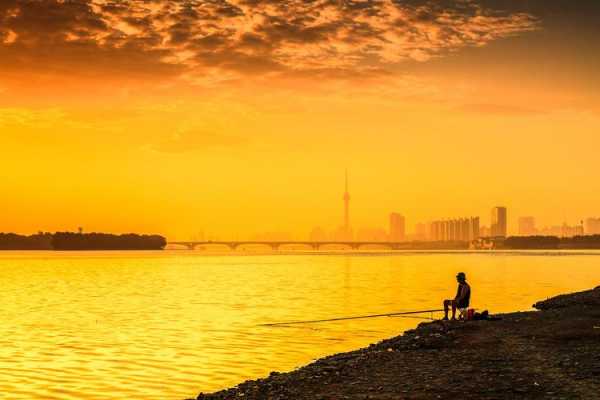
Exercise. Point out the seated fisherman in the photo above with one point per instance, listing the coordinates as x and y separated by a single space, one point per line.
463 295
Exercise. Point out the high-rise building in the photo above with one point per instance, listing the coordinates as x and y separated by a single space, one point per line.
592 226
443 233
434 231
498 226
397 227
452 230
459 230
556 230
475 230
527 226
484 232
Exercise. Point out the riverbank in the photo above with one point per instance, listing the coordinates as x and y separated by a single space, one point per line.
553 353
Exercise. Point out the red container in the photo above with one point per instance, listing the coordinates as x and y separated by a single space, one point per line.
470 314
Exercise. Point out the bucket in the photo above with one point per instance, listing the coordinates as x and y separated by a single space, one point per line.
470 314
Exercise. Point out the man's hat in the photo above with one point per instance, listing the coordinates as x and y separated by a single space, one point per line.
461 275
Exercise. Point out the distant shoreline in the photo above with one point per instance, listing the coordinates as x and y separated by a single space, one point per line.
72 241
363 253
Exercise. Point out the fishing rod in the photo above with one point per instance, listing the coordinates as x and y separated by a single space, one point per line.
315 321
413 317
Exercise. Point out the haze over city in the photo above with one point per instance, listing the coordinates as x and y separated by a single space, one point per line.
236 118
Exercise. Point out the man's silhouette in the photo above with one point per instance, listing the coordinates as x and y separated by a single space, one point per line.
463 296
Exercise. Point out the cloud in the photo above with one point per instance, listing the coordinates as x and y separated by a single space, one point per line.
223 40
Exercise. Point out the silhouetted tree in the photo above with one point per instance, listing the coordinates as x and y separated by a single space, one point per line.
105 241
77 241
12 241
581 242
531 242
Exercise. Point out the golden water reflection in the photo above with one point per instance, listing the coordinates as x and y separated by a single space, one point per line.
169 325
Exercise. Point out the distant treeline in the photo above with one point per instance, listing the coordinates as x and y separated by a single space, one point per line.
552 242
81 241
12 241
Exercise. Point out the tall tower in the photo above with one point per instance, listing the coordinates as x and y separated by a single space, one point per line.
498 225
346 208
397 227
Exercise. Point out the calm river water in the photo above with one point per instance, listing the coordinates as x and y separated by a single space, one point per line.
168 325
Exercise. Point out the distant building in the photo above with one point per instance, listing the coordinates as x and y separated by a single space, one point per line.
397 228
527 226
551 231
475 229
421 232
498 226
434 230
484 231
592 226
563 230
570 231
455 230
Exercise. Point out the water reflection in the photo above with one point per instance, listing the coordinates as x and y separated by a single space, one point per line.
168 325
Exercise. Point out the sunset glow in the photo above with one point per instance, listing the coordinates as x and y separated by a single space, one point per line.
236 117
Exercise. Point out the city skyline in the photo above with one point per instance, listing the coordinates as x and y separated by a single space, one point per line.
444 230
422 230
430 229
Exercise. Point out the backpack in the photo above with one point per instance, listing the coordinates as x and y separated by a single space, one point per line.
482 316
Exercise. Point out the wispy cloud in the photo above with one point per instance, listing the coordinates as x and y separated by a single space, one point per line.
215 40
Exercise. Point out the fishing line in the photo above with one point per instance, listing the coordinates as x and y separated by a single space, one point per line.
315 321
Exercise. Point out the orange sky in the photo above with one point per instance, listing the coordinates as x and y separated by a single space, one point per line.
235 117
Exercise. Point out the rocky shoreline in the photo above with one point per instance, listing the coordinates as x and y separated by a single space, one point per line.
553 353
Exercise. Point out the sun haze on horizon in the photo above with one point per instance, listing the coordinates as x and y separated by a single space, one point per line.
235 117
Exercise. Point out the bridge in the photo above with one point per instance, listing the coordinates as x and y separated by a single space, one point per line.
276 245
